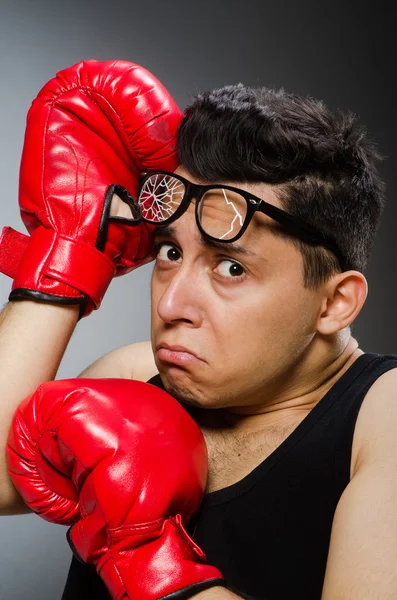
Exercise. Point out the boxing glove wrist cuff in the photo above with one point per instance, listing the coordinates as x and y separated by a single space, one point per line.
62 270
169 562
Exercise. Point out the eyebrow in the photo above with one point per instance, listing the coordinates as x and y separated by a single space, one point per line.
170 231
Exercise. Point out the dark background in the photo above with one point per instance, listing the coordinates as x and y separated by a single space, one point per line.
341 52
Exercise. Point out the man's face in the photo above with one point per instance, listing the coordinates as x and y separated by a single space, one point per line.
242 312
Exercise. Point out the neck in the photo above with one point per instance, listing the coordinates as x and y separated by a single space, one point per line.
296 391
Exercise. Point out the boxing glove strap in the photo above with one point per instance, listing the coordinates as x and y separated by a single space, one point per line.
66 261
13 245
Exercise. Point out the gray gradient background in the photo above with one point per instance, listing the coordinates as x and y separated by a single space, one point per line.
340 52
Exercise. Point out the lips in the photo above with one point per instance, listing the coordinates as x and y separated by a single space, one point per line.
176 354
176 348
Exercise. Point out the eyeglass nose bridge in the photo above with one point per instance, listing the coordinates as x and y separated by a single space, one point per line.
195 192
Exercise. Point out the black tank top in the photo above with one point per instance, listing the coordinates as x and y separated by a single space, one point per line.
269 533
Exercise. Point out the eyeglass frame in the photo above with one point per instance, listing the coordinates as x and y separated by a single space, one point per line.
298 227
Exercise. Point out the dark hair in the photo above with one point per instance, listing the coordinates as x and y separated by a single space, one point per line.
322 164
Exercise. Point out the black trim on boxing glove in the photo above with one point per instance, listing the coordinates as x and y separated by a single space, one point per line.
190 591
26 294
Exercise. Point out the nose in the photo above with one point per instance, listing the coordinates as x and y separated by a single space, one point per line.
181 301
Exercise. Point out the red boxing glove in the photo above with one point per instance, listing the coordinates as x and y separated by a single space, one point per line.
91 132
127 464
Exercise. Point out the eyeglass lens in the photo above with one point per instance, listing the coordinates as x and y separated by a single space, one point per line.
221 212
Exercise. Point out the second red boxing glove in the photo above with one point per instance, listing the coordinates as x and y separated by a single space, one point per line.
127 464
91 132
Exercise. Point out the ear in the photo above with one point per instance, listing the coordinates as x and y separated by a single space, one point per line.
344 296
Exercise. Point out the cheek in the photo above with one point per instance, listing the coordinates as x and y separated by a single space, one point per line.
267 322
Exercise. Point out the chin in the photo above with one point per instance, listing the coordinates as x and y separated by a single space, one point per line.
184 392
181 393
192 395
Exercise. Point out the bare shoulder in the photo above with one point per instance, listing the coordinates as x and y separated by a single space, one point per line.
376 421
134 361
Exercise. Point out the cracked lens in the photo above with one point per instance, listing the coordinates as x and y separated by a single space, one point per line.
160 198
222 213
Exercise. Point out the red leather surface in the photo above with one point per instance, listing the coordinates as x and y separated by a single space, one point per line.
95 124
127 464
13 246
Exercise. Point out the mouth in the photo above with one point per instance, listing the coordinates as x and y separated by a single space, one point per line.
176 354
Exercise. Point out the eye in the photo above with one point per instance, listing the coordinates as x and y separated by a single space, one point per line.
230 269
168 253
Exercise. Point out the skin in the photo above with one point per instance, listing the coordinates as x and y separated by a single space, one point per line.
269 348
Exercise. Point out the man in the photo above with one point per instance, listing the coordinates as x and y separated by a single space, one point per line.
251 332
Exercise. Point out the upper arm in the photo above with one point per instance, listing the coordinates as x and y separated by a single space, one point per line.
134 361
363 549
